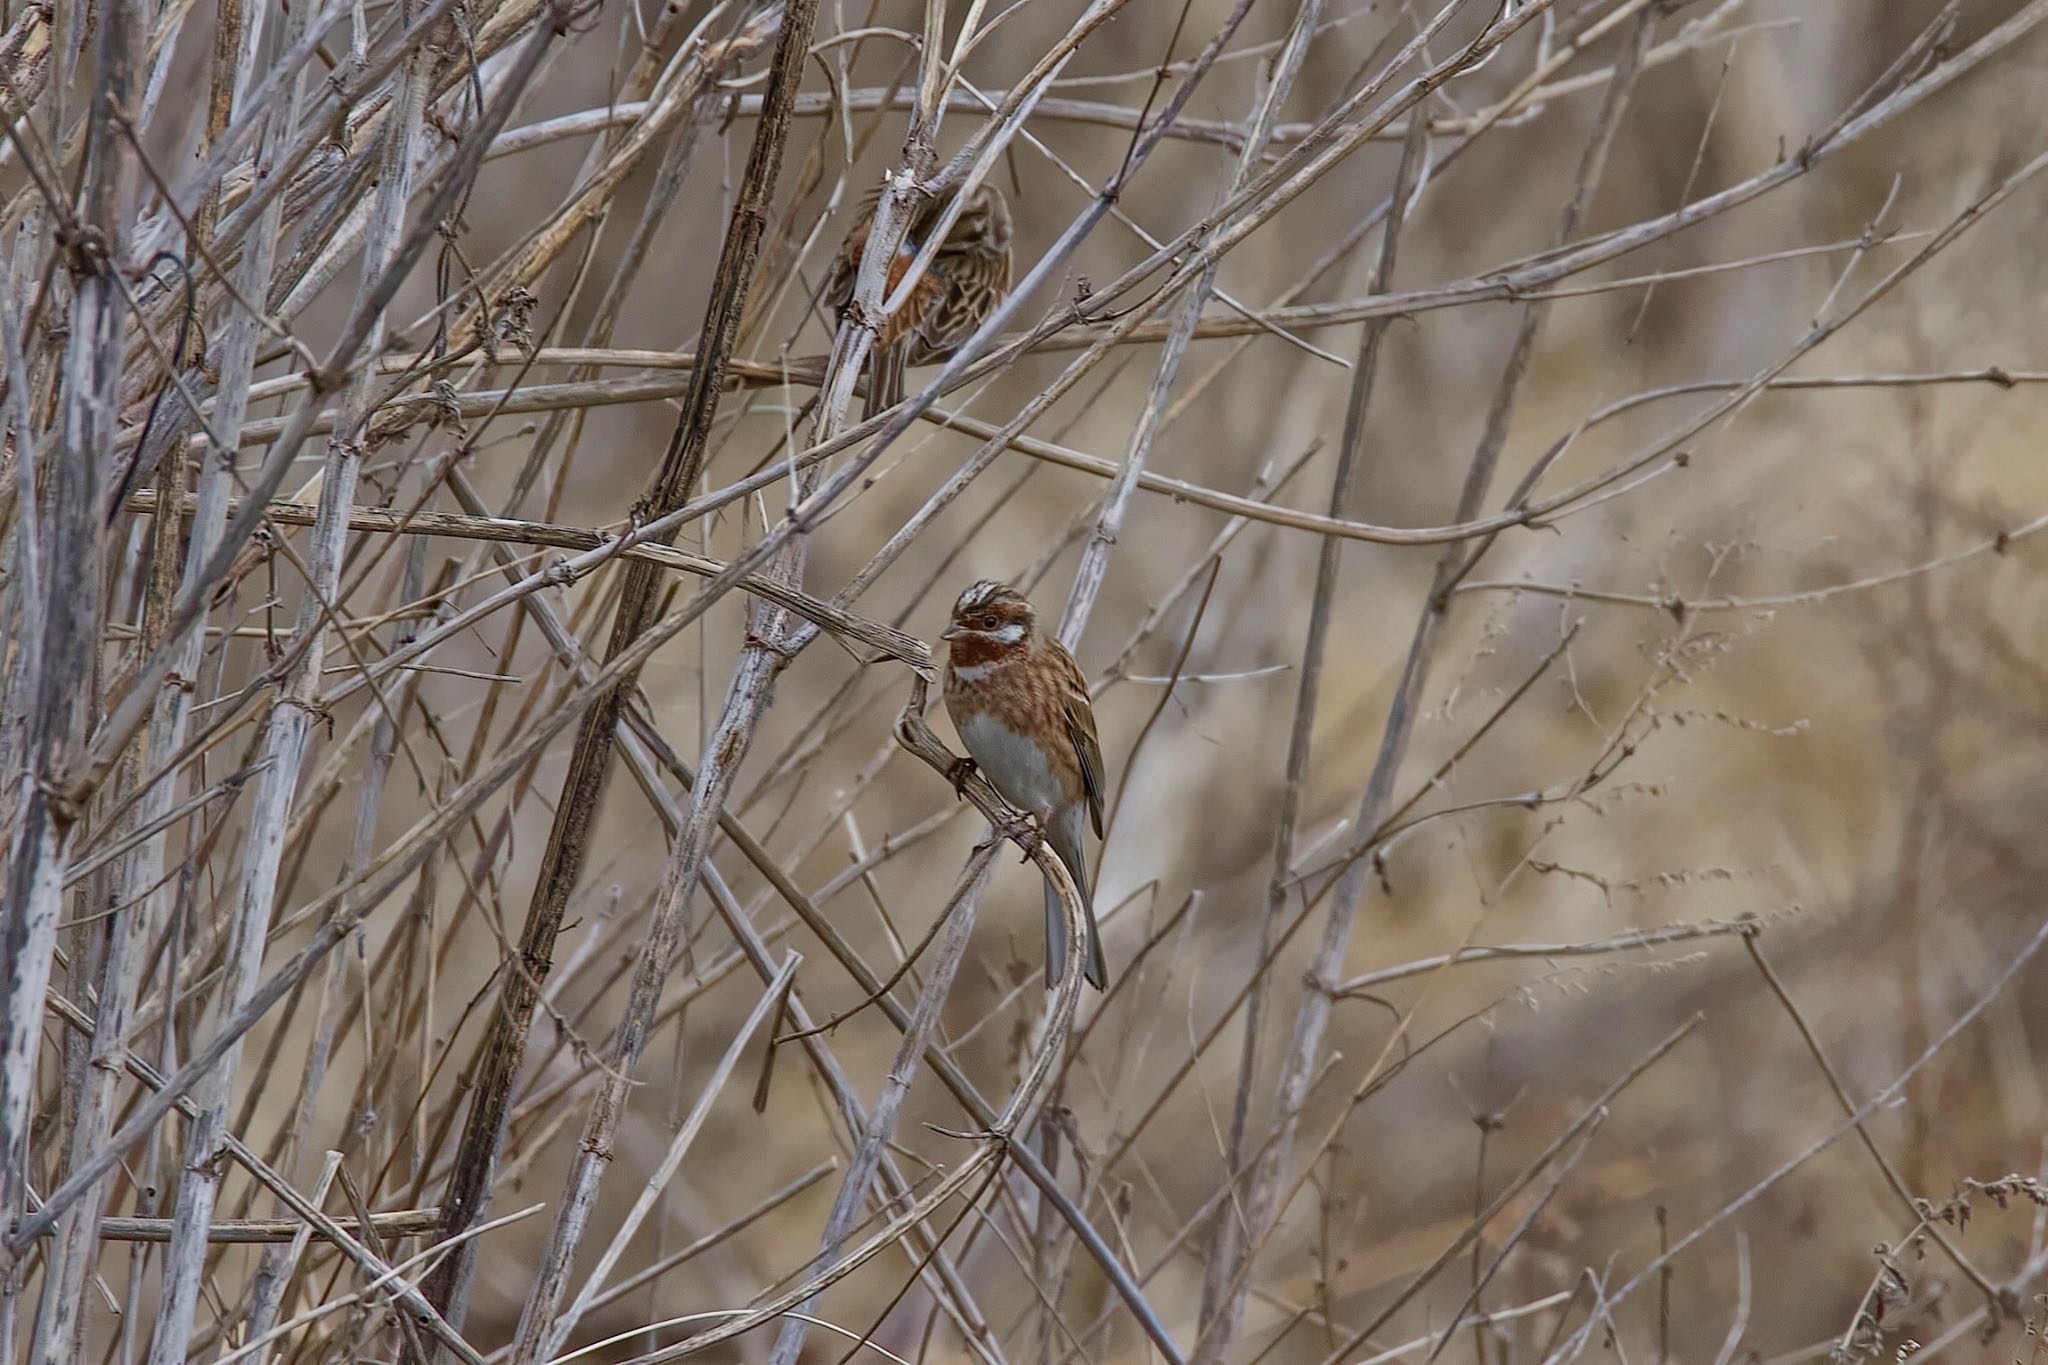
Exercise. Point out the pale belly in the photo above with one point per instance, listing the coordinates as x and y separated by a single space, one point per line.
1013 765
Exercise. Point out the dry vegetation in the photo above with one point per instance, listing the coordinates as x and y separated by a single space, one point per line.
1545 490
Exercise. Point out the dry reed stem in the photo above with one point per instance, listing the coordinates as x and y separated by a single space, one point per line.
1264 1206
1231 1232
591 760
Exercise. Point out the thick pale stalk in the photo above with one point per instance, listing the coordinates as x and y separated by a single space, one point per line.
284 751
143 887
60 646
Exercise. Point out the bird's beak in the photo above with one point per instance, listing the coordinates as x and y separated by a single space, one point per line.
951 632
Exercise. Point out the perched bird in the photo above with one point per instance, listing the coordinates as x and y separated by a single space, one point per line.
1021 706
968 278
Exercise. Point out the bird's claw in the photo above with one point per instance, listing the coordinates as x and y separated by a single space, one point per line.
1029 832
957 773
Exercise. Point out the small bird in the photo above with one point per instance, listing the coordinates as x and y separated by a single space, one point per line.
968 279
1021 706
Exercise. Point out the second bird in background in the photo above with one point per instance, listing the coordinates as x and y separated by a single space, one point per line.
1020 704
968 279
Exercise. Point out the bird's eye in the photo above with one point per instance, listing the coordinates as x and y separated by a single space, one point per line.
988 623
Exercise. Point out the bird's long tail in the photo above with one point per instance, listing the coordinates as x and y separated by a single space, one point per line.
1067 844
885 379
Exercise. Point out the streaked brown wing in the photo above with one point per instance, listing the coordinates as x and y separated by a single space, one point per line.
1080 721
974 286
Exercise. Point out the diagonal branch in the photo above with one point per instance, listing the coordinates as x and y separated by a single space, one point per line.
590 761
1302 1059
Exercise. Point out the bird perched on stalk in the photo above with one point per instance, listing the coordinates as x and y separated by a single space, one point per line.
968 278
1021 706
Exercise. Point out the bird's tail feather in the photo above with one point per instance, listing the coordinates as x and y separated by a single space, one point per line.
1093 970
1056 945
885 379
